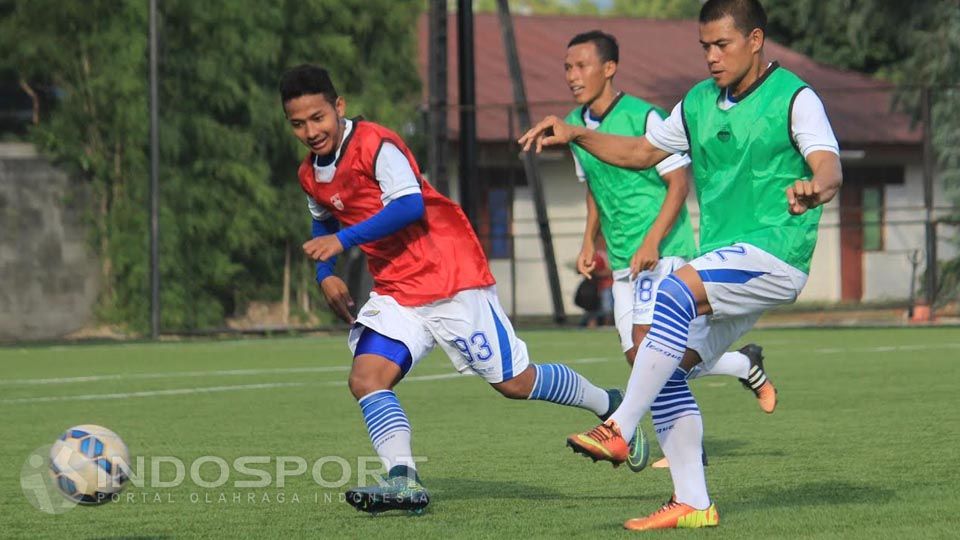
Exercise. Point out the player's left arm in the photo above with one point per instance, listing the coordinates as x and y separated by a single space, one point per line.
403 205
827 178
675 173
814 137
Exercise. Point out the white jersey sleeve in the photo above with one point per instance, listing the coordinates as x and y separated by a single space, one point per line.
670 135
675 161
810 126
318 212
581 174
394 174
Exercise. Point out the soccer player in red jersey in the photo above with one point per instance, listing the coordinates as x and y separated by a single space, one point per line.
432 283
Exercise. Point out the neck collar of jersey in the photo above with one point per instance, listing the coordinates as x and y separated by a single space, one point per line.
333 159
771 67
586 113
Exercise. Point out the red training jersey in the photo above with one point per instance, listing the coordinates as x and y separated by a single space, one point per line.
428 260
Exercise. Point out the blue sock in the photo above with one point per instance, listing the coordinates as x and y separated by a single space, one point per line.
388 427
559 384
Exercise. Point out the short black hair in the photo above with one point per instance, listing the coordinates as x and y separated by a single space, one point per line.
606 44
304 80
747 14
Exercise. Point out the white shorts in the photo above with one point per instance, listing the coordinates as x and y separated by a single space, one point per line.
742 281
633 299
470 327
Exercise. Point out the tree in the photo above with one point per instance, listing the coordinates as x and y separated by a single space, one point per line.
231 207
87 52
656 9
912 44
653 9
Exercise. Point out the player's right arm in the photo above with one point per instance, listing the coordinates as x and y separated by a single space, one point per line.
617 150
585 261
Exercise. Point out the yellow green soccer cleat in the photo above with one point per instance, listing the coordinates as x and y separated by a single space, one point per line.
675 515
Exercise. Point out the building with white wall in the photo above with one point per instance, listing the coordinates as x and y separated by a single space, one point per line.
869 235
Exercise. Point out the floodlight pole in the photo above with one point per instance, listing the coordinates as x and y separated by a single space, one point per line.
437 100
530 164
930 223
466 71
154 180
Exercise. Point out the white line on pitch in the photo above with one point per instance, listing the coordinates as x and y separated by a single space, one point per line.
206 390
173 374
889 348
224 372
151 393
213 389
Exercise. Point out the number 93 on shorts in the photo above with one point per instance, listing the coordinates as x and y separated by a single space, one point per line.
471 327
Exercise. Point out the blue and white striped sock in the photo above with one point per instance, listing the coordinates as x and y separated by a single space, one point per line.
660 352
673 402
558 383
388 427
679 427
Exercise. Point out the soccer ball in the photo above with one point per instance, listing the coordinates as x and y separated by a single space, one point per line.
89 463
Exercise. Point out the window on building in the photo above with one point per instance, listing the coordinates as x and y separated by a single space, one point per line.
496 214
872 208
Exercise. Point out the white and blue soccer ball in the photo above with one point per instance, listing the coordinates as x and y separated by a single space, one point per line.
89 463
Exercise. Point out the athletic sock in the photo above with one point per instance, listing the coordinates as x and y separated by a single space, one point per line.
660 352
734 364
559 384
679 427
388 427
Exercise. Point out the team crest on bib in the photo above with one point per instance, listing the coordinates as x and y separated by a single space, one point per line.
336 201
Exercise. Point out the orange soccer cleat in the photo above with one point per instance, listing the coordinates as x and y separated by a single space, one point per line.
604 442
675 515
757 380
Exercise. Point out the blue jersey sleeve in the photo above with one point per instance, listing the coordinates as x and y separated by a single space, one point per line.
395 216
323 228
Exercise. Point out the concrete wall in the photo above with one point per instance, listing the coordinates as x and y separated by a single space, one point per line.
48 279
887 273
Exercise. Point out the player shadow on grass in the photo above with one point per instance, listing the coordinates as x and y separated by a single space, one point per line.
738 448
463 488
814 493
125 537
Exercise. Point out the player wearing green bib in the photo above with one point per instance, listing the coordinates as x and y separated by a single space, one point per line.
641 213
764 161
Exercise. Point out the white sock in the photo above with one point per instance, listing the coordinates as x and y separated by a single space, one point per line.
682 444
651 369
676 419
734 364
388 428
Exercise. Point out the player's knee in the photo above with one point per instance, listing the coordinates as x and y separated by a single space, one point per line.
518 387
362 384
512 389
